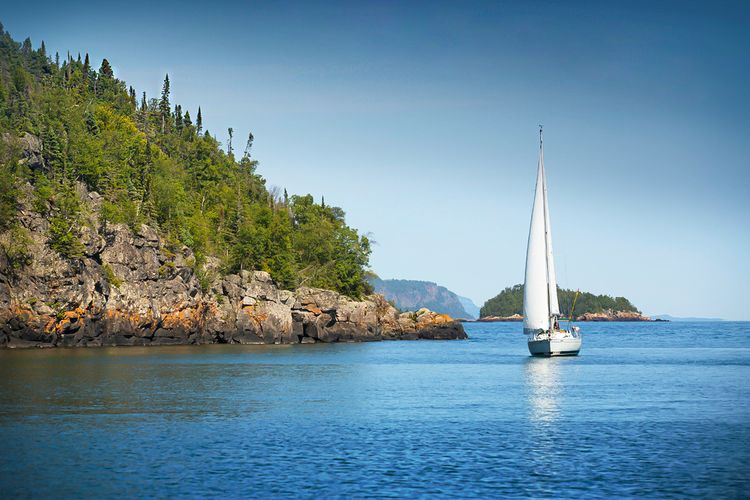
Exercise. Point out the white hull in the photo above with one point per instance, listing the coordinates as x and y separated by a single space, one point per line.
557 345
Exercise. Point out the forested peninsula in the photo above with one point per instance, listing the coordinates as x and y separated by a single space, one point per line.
123 221
508 306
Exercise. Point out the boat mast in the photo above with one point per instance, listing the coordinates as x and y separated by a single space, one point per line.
546 229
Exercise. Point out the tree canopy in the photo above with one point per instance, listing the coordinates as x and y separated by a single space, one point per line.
152 165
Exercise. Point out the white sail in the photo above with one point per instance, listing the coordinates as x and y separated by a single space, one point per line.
554 306
535 292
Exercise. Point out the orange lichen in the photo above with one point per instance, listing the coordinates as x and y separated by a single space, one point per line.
311 307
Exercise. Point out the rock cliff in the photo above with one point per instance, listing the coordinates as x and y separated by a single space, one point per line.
131 288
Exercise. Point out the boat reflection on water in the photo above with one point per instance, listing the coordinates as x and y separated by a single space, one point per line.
544 394
543 389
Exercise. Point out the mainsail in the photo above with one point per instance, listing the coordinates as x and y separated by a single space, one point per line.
540 285
554 307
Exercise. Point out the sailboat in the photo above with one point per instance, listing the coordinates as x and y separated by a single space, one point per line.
541 310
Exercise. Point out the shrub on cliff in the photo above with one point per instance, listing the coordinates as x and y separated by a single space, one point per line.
16 244
64 223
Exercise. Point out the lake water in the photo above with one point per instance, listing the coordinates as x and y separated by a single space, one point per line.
648 409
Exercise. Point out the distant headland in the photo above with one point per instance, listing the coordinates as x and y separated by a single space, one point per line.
411 295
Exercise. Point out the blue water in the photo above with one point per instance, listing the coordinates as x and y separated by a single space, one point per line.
647 410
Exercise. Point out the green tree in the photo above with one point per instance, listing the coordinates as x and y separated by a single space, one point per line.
249 145
63 225
164 106
105 70
178 122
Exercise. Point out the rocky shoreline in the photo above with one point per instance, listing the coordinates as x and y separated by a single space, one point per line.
600 316
131 288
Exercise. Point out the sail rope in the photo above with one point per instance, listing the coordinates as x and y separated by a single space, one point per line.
573 308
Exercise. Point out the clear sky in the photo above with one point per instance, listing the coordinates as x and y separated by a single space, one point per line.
420 120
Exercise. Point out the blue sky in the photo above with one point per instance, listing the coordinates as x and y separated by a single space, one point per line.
420 120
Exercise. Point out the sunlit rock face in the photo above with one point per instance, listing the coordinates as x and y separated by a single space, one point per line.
613 316
130 288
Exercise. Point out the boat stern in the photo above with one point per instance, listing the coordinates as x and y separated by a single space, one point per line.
567 345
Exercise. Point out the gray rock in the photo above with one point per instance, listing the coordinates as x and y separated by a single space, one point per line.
31 147
154 298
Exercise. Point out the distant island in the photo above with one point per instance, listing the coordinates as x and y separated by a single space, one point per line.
508 306
669 317
412 295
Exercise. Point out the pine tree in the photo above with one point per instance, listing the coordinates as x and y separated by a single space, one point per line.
106 69
66 65
148 205
91 125
144 104
86 68
178 123
164 106
199 121
229 148
26 47
43 50
53 150
186 120
57 59
249 144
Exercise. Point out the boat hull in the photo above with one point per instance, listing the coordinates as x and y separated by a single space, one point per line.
564 346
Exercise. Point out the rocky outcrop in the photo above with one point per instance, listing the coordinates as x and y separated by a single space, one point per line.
30 148
130 288
613 316
496 319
